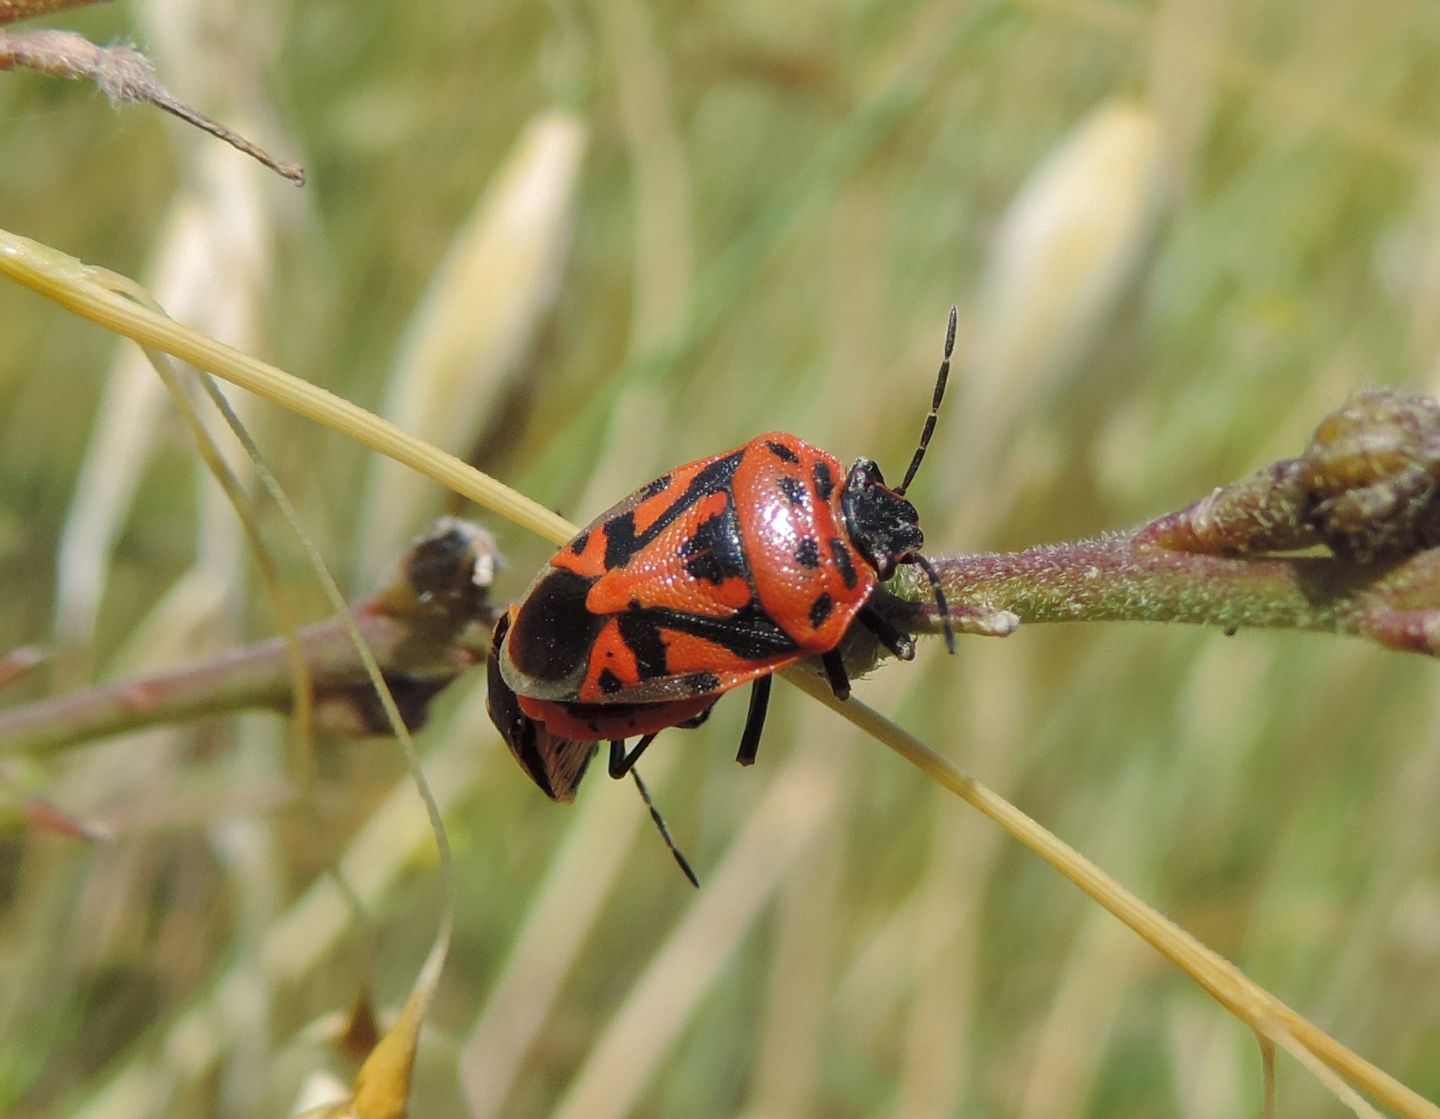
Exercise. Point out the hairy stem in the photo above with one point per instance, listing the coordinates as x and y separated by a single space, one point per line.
1122 577
420 629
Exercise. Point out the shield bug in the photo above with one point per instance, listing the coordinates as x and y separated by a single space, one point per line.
714 575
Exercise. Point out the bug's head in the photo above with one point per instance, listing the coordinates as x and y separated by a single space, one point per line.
885 529
883 525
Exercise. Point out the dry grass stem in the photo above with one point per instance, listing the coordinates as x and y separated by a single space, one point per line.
1239 995
464 351
125 76
68 282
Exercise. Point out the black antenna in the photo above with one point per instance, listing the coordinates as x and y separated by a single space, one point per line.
944 607
940 379
664 831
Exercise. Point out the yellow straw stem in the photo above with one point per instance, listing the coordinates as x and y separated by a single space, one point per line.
1226 983
69 283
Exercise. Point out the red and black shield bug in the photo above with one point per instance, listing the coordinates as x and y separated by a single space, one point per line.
714 575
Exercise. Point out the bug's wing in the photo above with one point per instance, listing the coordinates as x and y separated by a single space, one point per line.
649 633
555 764
657 600
631 552
662 654
631 525
747 569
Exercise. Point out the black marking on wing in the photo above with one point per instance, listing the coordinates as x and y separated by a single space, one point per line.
553 632
578 544
621 541
841 555
793 489
609 682
780 451
807 553
554 764
700 683
749 632
659 485
824 481
641 635
820 610
715 552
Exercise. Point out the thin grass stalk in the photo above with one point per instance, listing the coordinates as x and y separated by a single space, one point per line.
68 282
1230 987
662 1001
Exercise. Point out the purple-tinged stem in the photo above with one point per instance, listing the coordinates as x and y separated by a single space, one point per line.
1123 577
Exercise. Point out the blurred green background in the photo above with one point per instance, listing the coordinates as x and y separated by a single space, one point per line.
583 243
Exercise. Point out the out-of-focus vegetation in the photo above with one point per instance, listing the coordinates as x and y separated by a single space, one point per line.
1179 233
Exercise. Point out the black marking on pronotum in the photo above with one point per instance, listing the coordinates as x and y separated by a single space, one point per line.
609 682
642 637
824 481
793 489
553 632
807 553
749 633
714 553
841 556
820 610
782 452
578 544
621 541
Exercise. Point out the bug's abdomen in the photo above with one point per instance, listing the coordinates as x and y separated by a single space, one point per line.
583 722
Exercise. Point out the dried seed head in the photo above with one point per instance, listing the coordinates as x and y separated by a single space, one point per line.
444 578
1373 475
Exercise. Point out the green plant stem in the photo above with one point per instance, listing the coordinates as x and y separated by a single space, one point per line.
1115 578
254 677
1120 577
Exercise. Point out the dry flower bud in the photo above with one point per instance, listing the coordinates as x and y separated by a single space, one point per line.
1367 487
445 575
1371 472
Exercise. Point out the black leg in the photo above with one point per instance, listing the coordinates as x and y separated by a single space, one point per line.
664 831
754 721
835 673
898 643
696 720
621 762
940 604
